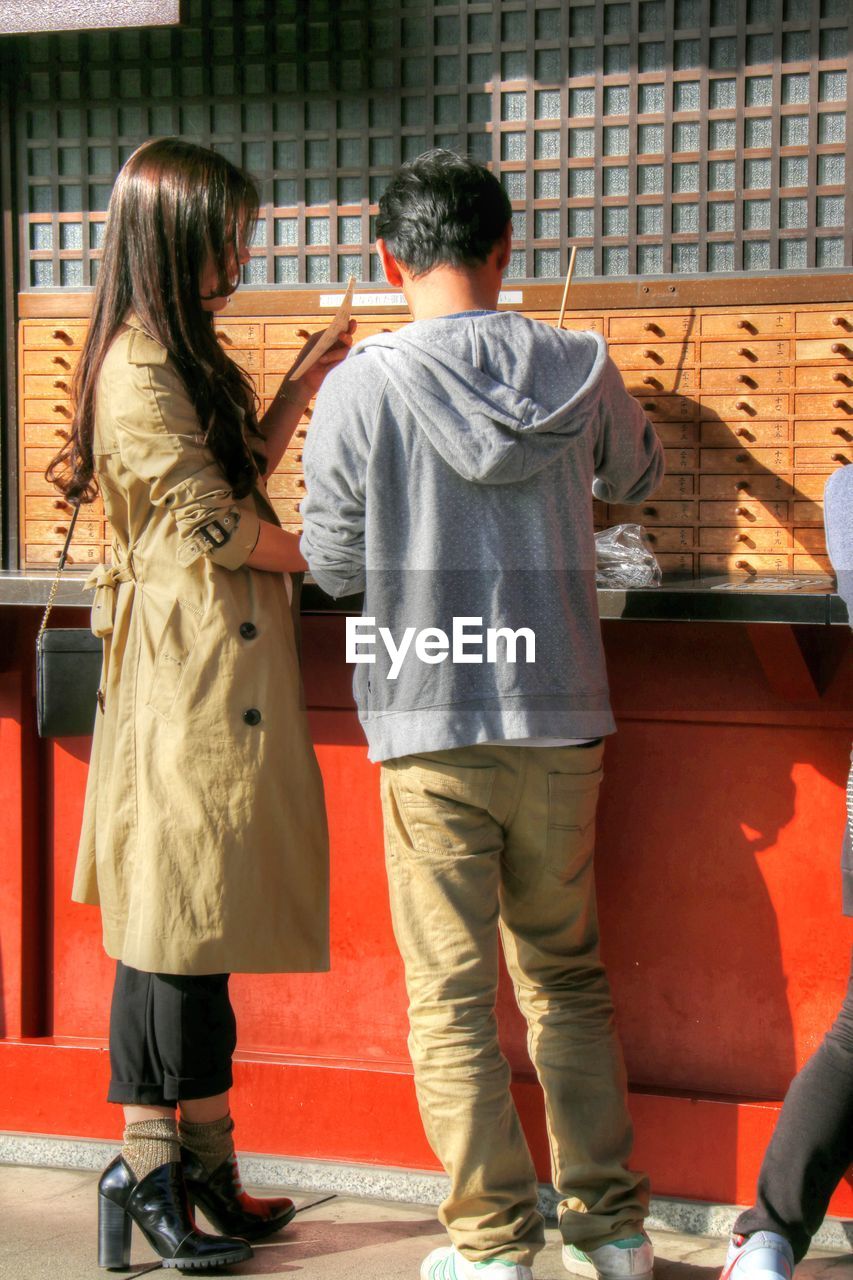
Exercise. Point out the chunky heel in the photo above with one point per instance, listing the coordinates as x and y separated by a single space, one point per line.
114 1228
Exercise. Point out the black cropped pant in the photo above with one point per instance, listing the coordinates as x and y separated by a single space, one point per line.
812 1145
172 1038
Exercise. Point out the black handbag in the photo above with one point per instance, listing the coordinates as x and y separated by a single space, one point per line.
68 670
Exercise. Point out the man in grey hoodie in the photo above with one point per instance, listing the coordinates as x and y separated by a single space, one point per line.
450 470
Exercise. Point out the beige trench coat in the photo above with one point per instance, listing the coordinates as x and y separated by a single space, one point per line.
204 835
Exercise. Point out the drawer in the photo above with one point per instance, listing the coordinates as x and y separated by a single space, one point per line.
681 459
747 324
47 386
675 433
655 513
248 360
286 484
739 408
743 514
291 460
56 508
653 355
651 329
34 481
683 381
762 487
675 561
810 486
810 540
47 554
48 411
671 539
827 459
54 532
740 383
669 408
838 405
239 333
280 360
761 433
808 513
813 564
589 324
58 363
675 486
292 333
824 378
825 323
837 350
53 336
747 352
287 509
41 433
737 541
748 564
745 459
827 433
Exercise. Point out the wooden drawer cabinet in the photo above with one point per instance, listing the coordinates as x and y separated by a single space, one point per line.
754 407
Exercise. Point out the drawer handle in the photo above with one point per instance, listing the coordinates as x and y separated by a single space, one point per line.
745 512
60 335
652 537
61 361
744 433
63 435
840 457
841 322
60 528
300 484
742 486
308 414
842 432
649 354
63 409
748 325
744 537
746 380
650 511
650 406
60 385
59 505
651 381
744 564
747 353
841 349
744 406
651 327
302 333
842 404
741 457
842 377
385 331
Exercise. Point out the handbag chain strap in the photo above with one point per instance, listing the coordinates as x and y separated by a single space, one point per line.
62 559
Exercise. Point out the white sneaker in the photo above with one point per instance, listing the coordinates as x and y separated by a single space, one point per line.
763 1255
629 1259
447 1263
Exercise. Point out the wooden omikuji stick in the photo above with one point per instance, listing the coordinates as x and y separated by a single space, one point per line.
568 282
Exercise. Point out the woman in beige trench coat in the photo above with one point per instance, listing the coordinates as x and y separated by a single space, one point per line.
204 837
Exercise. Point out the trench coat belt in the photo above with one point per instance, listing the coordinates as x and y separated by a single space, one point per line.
103 581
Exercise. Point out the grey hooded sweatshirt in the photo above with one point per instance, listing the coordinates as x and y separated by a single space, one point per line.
450 470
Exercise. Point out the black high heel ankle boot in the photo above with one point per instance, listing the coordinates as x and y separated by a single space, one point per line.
159 1206
221 1196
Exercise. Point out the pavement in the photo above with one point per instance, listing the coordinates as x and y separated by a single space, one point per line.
48 1232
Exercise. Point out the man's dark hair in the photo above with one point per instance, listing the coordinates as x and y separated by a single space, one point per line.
442 209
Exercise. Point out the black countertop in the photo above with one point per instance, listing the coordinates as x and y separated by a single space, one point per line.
795 599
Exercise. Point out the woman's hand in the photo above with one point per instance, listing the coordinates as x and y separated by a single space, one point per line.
312 380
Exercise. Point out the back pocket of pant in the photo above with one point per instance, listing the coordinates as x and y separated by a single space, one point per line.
445 807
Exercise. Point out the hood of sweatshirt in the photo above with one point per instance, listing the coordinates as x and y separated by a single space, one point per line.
497 395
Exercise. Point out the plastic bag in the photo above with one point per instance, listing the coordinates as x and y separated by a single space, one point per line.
624 558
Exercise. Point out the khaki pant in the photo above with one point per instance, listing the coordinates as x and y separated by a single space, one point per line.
486 839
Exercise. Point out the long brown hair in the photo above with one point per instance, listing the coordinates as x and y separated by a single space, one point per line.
175 208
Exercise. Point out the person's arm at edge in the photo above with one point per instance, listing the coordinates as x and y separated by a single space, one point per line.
629 457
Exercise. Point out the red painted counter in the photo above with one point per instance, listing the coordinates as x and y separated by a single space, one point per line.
718 884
